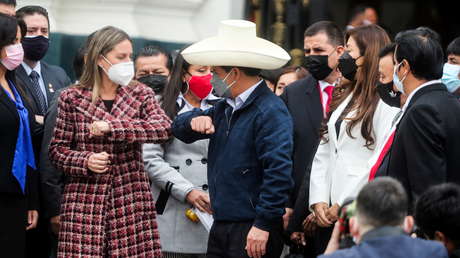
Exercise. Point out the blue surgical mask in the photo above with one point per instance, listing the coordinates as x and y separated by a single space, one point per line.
450 75
397 82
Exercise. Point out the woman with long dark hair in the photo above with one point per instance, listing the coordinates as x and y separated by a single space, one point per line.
357 124
179 169
18 178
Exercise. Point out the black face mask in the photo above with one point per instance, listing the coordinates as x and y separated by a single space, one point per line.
318 66
386 93
347 66
35 48
155 81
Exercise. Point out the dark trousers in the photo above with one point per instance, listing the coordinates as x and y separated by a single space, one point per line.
13 219
38 240
321 239
228 239
316 245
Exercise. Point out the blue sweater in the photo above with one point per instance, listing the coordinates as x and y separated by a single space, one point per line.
249 160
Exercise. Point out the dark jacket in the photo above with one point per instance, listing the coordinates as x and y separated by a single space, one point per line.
9 127
426 147
304 104
249 158
51 179
54 78
392 243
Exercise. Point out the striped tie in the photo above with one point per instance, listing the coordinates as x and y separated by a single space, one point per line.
34 77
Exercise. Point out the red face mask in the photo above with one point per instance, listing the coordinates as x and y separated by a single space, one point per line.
200 85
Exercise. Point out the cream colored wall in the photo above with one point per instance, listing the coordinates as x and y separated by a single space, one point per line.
178 21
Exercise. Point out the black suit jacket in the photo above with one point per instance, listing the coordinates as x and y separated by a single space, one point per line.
9 126
304 103
51 179
426 148
54 78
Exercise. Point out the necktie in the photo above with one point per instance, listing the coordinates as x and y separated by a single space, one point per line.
382 155
386 147
328 90
34 77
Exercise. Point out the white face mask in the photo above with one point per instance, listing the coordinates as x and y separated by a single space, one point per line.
121 73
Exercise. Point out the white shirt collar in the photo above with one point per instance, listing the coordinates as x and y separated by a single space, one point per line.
238 102
188 107
409 98
29 70
324 84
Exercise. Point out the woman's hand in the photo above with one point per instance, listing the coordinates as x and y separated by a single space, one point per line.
32 219
333 213
98 162
320 209
99 128
200 200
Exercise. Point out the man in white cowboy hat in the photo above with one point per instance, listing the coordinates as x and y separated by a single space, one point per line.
250 131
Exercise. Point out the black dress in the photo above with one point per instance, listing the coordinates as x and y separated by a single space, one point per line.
14 204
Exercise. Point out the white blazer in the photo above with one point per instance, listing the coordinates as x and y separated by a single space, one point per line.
341 165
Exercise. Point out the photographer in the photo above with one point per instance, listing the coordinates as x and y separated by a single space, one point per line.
379 226
437 214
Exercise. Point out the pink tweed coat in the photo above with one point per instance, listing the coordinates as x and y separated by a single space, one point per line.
110 214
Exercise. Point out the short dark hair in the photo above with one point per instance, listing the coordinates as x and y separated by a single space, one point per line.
152 50
8 2
382 202
438 209
31 10
428 32
423 53
270 75
357 10
333 32
246 70
454 47
79 58
8 30
387 50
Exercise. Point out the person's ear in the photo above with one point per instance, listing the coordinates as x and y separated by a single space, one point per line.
236 75
439 236
100 61
340 50
3 53
354 227
404 68
408 224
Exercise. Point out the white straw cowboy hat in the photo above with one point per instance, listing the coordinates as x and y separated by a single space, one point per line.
236 45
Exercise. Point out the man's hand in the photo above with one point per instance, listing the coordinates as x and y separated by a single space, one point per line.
202 124
298 238
39 119
287 217
309 225
98 162
334 242
200 200
55 224
256 242
320 210
32 219
333 213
